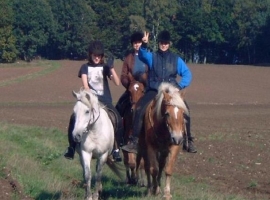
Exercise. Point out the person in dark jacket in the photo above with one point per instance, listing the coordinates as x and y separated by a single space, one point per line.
95 75
133 69
164 66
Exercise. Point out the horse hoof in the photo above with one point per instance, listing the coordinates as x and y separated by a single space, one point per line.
167 197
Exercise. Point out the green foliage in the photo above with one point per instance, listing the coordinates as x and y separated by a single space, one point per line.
8 51
216 31
75 27
32 26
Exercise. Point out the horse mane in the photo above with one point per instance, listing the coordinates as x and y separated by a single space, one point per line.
176 100
93 100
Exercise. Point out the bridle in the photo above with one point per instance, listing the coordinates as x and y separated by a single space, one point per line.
151 119
89 125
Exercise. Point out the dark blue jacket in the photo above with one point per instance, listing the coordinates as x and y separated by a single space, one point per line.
164 67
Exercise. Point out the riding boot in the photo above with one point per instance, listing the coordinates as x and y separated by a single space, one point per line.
142 104
132 145
118 140
70 152
188 144
116 153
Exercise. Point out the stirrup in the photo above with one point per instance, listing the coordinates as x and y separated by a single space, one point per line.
116 156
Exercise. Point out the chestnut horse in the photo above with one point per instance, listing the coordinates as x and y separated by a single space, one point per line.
136 90
162 136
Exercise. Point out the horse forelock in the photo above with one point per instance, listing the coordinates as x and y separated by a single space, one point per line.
176 99
88 102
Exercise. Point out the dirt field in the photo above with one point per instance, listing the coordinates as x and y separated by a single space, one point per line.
230 110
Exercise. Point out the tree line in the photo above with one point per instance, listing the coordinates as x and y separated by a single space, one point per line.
202 31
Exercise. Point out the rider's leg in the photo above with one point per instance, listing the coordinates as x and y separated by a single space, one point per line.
138 120
119 133
122 103
69 154
188 145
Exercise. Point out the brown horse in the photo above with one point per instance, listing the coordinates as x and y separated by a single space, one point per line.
164 131
136 90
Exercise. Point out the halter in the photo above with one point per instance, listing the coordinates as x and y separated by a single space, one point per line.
90 124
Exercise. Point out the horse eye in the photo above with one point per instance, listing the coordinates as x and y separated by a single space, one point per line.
166 114
87 112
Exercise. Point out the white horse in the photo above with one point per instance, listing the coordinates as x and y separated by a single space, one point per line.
94 132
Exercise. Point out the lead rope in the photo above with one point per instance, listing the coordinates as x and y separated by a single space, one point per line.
89 125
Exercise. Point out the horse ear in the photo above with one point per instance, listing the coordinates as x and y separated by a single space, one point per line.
75 94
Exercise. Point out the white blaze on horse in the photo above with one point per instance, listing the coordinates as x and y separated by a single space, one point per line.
136 91
94 132
162 136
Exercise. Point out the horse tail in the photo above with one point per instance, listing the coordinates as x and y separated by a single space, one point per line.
112 165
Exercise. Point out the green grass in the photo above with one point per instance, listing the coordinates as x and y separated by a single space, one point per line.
35 157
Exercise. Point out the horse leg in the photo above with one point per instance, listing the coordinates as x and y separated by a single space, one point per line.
128 177
85 159
162 163
174 150
153 167
143 155
140 168
132 165
99 167
141 174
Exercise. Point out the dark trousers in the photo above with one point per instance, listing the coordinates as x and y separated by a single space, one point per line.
140 112
71 125
123 103
188 122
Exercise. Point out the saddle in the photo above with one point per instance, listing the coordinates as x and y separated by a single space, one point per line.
113 117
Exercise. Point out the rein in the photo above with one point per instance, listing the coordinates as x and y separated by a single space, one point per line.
90 124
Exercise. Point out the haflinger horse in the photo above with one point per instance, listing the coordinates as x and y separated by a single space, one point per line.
136 91
162 136
94 132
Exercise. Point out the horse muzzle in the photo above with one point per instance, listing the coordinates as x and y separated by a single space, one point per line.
177 140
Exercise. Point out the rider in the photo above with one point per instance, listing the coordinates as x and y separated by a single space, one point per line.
94 78
133 69
163 66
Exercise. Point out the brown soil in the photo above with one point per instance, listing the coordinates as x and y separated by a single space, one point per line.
230 110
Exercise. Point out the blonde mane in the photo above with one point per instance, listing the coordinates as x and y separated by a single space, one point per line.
176 100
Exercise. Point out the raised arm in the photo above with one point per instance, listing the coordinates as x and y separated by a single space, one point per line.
112 73
144 55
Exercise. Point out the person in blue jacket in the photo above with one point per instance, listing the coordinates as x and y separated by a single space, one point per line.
164 66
